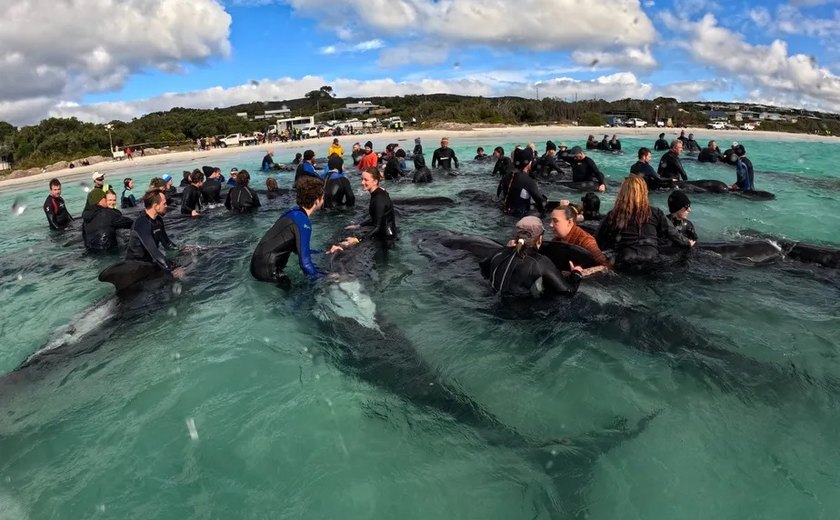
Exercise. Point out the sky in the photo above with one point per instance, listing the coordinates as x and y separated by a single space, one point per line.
100 60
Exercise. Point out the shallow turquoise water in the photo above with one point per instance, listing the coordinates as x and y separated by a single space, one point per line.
285 431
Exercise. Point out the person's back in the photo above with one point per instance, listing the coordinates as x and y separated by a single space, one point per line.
709 155
392 169
691 145
638 243
242 199
211 191
519 192
338 191
99 227
670 166
661 145
422 174
191 199
289 234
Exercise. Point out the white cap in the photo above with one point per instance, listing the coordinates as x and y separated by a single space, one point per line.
734 144
97 175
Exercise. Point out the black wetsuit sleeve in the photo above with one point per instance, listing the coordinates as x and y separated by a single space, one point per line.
534 191
605 237
227 200
554 282
596 172
145 233
164 239
255 198
349 197
690 231
120 221
679 167
435 158
378 209
454 159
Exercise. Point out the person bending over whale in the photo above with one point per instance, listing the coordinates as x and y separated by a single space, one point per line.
710 154
382 223
634 228
679 205
337 189
241 198
57 215
290 234
521 271
421 172
643 169
585 170
148 233
670 166
563 223
517 188
101 222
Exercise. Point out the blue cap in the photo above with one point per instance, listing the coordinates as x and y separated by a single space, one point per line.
167 178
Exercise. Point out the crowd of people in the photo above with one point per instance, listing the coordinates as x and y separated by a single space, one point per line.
631 237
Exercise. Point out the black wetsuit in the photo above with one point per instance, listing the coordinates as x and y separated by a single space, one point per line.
392 169
191 200
591 144
517 190
661 145
99 229
604 145
128 201
670 166
212 191
503 166
382 221
290 234
587 171
422 175
652 179
685 227
242 199
710 156
357 156
615 145
57 215
337 191
145 238
691 145
545 165
638 244
526 273
443 158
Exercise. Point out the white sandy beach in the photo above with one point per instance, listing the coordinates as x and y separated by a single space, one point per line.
569 135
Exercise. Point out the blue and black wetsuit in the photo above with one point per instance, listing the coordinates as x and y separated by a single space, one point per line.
744 172
128 200
305 169
290 234
145 238
267 162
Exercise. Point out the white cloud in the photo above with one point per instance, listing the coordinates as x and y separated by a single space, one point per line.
418 54
62 49
614 86
365 46
531 24
789 20
629 57
794 80
691 90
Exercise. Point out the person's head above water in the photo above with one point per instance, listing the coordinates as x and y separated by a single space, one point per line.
98 198
662 135
110 199
368 147
271 184
522 158
196 177
498 152
371 178
310 193
529 232
563 220
479 151
335 163
644 154
309 155
631 203
679 204
155 202
444 142
591 205
578 152
55 188
156 183
128 183
243 178
676 145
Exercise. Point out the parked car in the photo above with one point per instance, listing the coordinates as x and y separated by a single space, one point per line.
238 140
635 122
717 125
747 126
660 124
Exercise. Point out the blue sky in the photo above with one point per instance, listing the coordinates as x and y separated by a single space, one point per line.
206 53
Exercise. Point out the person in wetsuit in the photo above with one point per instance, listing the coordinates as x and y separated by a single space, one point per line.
591 143
521 271
679 205
337 189
272 189
186 180
585 170
101 222
670 166
743 170
127 200
234 173
168 188
57 215
643 169
357 153
393 171
547 163
211 188
148 233
604 145
633 229
503 163
480 155
444 156
381 223
191 198
710 154
422 173
241 198
518 188
268 161
290 234
418 147
307 167
615 143
691 145
591 207
661 144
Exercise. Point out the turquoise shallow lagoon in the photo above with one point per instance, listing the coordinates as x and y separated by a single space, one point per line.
228 398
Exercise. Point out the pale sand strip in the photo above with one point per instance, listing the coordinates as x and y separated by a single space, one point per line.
487 137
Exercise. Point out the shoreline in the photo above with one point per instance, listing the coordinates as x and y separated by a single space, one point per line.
571 134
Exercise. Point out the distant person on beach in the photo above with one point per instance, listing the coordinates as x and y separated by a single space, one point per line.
127 200
57 215
444 156
128 153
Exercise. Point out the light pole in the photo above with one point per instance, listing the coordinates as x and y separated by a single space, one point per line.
656 119
110 141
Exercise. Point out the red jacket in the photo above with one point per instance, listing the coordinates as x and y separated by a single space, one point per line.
368 160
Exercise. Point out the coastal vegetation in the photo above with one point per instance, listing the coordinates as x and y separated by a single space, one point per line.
67 139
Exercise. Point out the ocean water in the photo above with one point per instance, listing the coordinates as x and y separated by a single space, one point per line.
705 391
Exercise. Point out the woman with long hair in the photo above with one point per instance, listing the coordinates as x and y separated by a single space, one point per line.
633 228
